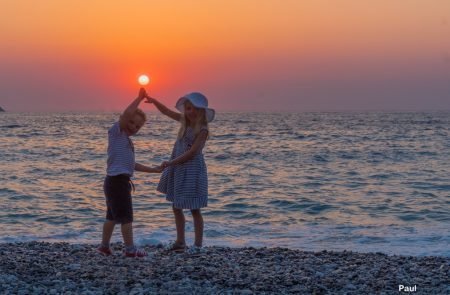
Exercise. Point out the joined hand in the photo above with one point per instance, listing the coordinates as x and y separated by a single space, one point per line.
142 93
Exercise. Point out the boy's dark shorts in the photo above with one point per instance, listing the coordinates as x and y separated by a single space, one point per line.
117 190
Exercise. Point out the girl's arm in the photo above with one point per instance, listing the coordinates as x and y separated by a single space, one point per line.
197 146
143 168
163 109
129 111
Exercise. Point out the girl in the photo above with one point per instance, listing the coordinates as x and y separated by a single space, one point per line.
184 179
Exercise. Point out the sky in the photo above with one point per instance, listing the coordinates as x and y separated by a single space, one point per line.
265 55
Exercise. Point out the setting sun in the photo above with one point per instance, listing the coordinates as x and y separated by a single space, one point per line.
143 80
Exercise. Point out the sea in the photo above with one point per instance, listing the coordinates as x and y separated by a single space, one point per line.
355 181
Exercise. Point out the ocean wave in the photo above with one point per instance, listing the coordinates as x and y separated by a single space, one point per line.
293 180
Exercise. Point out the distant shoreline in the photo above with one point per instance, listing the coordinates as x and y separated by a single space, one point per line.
62 267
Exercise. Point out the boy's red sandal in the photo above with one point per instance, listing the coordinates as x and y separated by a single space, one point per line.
106 251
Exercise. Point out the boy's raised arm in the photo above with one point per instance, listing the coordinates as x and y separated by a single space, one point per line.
129 111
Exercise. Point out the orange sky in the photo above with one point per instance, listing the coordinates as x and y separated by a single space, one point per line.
245 55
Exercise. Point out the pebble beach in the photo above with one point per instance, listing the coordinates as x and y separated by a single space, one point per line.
63 268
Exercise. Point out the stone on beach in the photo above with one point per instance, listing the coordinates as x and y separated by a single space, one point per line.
54 268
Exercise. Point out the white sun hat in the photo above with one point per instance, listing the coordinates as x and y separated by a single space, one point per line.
198 100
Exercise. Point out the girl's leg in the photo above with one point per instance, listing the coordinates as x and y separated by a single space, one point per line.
198 226
127 234
180 223
108 228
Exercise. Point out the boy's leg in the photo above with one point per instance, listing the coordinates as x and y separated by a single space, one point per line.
127 234
108 225
130 248
119 193
180 224
198 227
108 228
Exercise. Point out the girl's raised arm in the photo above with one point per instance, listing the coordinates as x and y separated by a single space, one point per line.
163 109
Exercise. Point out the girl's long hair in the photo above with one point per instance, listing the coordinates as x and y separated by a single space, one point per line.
200 123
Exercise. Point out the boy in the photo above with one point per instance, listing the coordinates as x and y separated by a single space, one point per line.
117 186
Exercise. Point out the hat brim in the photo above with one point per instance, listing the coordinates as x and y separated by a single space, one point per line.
210 113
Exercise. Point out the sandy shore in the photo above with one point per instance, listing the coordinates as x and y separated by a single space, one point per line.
55 268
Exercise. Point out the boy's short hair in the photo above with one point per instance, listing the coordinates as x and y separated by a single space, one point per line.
141 113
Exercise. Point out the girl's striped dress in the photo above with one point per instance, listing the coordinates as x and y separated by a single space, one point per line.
186 184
